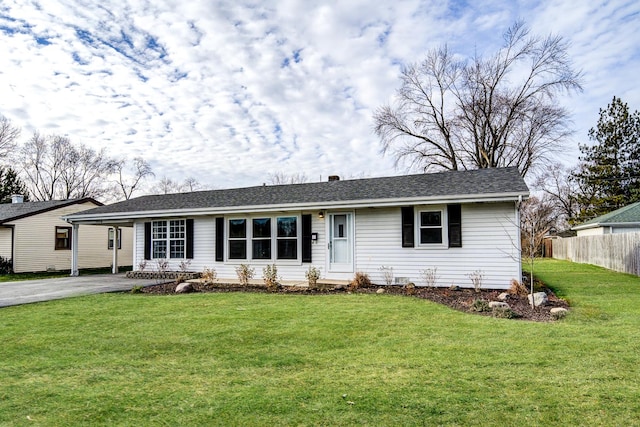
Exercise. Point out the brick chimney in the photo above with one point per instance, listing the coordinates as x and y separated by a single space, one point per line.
334 178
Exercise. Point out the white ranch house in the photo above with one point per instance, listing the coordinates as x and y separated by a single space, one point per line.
459 222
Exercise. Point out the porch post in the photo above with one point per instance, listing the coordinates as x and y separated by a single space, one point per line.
74 249
114 268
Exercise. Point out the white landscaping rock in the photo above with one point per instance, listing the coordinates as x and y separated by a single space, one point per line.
558 313
539 298
503 296
498 304
184 288
380 291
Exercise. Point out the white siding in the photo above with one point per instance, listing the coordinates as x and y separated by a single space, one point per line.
34 243
489 244
597 231
204 245
618 230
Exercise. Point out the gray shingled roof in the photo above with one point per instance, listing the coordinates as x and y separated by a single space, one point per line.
452 183
13 211
626 215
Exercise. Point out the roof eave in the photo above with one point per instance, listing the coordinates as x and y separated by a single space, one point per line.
350 204
607 224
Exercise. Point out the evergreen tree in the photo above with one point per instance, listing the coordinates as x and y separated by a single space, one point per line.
11 184
609 172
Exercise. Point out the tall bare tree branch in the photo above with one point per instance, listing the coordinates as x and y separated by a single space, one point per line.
487 112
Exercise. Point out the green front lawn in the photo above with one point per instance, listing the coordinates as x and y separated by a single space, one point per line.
272 359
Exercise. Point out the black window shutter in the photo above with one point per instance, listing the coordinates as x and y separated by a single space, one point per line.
147 240
306 238
190 238
454 213
220 239
407 227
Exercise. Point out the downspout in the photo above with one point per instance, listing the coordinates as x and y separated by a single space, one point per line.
519 239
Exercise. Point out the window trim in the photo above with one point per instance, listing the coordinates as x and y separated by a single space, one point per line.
295 238
443 227
261 238
274 239
230 239
168 239
68 243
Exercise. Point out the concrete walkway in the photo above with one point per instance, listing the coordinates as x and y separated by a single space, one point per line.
29 291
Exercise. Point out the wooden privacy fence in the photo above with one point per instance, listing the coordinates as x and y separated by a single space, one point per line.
619 252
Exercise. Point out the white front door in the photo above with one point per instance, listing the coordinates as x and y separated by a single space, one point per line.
341 242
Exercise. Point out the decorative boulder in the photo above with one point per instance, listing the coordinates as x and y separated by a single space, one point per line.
184 288
538 298
498 304
558 312
380 291
503 296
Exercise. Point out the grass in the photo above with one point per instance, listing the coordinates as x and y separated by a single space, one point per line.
264 359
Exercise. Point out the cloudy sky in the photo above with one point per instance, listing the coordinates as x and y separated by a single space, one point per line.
230 91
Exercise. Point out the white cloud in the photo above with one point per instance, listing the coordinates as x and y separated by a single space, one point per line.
228 92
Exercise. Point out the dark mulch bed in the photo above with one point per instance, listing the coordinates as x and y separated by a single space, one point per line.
458 299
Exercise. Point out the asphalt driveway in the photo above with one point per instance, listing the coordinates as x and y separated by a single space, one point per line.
29 291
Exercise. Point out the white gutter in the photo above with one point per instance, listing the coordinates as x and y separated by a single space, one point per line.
123 216
606 224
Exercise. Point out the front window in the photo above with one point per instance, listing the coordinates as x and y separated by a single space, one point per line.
168 238
237 239
264 237
287 237
430 227
63 238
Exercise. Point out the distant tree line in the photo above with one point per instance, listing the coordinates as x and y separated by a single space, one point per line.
52 167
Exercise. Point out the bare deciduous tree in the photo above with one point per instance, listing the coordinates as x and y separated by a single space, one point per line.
167 186
488 112
280 178
140 170
561 190
54 168
537 217
8 137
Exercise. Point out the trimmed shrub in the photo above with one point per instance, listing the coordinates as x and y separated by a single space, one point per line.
480 305
504 313
245 273
270 277
6 265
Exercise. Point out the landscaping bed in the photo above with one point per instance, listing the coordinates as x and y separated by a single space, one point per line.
461 299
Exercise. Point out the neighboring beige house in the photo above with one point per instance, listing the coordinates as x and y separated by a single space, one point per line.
34 236
623 220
